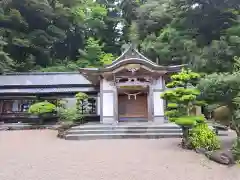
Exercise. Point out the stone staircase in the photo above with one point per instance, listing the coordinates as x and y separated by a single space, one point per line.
125 131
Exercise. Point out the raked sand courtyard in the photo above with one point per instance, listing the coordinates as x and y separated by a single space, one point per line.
39 155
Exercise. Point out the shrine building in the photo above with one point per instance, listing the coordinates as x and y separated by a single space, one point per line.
128 89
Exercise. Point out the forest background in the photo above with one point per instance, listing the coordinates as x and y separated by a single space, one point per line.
63 35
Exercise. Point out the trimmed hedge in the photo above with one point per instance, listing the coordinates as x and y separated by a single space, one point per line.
189 120
42 108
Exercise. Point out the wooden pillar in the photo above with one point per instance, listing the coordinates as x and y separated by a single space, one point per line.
116 104
1 106
150 103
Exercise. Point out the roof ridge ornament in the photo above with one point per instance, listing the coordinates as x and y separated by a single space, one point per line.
133 67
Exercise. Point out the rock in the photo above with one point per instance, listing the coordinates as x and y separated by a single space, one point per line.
186 144
65 126
221 156
201 150
3 128
62 128
61 133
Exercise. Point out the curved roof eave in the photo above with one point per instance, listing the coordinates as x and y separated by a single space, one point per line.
98 71
137 53
151 65
135 60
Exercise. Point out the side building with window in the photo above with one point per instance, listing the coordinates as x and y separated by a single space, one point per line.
19 90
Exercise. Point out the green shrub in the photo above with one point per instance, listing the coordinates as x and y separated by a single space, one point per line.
69 114
81 96
41 108
61 103
236 150
201 136
72 114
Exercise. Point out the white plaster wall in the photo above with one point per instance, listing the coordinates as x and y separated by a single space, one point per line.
158 104
108 120
106 85
108 104
158 83
70 102
98 105
15 105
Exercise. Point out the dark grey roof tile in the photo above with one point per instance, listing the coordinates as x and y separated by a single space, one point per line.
48 90
42 79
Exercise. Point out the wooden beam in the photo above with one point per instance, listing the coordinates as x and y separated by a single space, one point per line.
1 106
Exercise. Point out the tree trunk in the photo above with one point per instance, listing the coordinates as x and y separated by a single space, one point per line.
185 140
236 127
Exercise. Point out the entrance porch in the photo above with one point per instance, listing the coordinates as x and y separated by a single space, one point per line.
131 101
133 106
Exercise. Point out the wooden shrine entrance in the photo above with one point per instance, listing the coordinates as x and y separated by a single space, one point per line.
132 107
130 74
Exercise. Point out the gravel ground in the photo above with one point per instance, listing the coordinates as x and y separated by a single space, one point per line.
39 155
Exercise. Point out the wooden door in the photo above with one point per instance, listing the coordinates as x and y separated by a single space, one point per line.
133 108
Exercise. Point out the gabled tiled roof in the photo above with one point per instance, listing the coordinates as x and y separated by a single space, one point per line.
131 52
43 79
131 56
46 90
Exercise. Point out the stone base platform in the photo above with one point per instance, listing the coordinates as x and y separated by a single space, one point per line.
143 130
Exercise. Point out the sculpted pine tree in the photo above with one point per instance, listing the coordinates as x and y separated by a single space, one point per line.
182 98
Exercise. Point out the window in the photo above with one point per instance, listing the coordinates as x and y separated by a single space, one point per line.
9 106
89 106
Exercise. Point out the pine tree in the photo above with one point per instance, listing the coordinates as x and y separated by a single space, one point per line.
182 98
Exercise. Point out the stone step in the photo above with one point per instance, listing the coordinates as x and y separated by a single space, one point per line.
122 130
122 136
25 126
126 131
127 135
125 126
15 126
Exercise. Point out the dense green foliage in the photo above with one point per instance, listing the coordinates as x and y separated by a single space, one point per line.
72 114
220 88
69 114
236 150
201 136
66 35
81 96
61 35
223 89
42 108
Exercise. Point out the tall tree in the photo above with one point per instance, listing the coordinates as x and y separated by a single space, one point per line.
6 63
41 34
